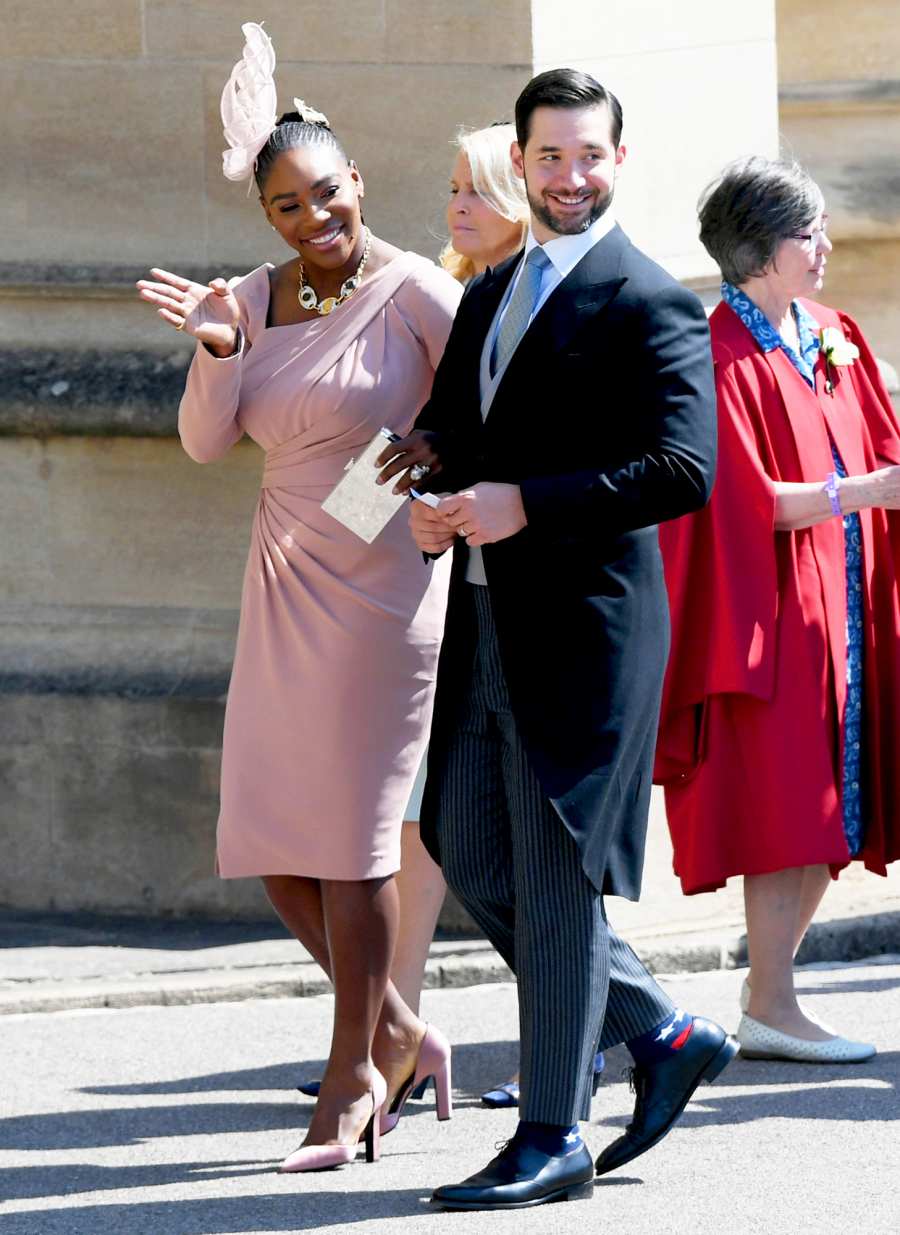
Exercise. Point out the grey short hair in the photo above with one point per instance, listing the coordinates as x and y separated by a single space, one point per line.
747 212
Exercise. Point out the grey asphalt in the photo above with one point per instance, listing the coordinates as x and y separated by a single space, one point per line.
170 1121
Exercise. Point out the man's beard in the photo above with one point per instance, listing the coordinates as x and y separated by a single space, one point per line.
569 226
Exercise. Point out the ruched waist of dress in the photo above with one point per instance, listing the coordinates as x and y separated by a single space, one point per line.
291 467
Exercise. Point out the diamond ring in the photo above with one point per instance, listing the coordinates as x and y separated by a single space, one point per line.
417 471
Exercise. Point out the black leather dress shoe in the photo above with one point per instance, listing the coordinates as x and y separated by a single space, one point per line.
664 1090
521 1176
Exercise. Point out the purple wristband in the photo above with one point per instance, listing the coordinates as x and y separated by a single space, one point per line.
831 488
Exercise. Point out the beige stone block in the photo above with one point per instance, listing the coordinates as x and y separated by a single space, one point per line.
585 29
132 826
465 32
45 321
307 30
50 30
398 126
862 279
843 41
110 804
15 156
100 521
120 166
667 167
137 522
117 647
25 553
26 802
853 152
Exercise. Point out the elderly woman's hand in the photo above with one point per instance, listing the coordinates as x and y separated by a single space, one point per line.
803 504
882 488
210 312
414 455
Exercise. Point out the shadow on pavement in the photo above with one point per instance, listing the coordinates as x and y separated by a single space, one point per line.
133 1125
281 1076
22 1182
860 984
94 1129
303 1208
476 1067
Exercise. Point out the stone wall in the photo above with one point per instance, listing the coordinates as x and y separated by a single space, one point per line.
673 66
839 106
120 575
121 560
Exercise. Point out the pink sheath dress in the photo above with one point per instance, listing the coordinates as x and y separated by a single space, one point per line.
331 691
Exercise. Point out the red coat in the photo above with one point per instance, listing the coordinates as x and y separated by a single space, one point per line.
750 736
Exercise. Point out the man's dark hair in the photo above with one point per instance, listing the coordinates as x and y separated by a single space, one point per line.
290 132
564 88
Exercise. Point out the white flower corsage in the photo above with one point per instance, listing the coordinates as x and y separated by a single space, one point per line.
837 350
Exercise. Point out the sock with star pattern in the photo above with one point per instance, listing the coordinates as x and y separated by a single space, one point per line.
663 1041
553 1139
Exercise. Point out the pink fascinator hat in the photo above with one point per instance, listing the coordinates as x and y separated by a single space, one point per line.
249 103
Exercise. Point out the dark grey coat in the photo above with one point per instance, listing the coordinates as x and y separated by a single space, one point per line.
606 418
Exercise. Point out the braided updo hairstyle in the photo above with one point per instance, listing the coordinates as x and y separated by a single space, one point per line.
291 131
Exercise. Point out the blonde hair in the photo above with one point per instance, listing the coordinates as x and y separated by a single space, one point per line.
495 182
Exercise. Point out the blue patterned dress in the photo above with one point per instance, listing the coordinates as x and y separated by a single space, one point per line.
769 339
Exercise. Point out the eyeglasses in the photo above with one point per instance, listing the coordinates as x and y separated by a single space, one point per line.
812 237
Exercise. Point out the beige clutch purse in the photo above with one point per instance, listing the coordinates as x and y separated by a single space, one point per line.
356 501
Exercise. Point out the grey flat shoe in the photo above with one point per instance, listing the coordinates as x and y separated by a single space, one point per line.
759 1041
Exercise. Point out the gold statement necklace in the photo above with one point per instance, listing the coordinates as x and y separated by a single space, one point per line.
308 298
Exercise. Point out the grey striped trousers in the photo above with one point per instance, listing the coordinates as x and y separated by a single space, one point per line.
509 858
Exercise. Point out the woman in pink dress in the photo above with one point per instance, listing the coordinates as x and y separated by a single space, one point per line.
331 691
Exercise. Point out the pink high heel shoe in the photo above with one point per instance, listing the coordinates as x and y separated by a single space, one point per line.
433 1060
323 1157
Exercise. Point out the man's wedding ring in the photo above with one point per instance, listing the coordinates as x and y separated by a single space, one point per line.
417 471
181 326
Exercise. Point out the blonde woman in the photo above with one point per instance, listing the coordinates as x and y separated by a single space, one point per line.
487 216
487 213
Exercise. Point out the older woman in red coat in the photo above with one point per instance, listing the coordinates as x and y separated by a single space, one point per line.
781 713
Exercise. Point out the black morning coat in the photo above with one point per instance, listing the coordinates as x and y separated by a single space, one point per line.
606 419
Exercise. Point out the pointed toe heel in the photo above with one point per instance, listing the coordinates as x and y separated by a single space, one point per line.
326 1157
317 1158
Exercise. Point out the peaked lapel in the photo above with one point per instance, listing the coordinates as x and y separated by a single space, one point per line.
583 293
486 297
476 313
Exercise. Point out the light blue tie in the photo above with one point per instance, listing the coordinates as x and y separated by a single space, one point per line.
520 307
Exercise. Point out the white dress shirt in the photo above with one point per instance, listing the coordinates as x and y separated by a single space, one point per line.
565 252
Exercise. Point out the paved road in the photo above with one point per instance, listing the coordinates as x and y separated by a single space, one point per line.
169 1121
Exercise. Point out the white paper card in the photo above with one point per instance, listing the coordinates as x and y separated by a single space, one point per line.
357 502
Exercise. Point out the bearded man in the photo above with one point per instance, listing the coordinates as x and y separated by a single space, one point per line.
572 412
